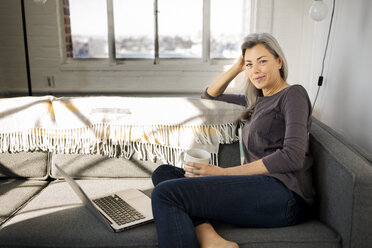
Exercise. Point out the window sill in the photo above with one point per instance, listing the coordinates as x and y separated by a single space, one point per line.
146 65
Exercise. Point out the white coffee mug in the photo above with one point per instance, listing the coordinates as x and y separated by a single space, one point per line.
194 155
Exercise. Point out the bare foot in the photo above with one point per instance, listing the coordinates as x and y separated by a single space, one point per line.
209 238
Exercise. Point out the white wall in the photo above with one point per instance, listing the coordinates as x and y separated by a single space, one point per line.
345 98
288 22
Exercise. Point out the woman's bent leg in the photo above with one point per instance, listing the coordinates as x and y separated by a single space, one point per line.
168 172
259 201
161 174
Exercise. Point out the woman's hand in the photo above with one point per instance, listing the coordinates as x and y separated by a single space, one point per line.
200 170
219 86
240 64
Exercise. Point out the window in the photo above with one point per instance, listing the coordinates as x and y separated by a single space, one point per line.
229 24
134 28
89 28
180 28
156 29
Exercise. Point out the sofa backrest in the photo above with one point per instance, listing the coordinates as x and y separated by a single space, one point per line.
343 183
30 165
97 166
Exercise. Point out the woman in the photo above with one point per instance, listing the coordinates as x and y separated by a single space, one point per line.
272 188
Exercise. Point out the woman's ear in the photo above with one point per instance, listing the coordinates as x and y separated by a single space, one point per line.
280 63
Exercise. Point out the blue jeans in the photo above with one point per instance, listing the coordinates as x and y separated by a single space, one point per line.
179 204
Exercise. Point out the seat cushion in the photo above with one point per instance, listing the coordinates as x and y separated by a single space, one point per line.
310 234
55 217
14 193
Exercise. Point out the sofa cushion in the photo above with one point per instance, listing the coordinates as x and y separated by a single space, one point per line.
31 165
14 193
56 218
98 166
229 155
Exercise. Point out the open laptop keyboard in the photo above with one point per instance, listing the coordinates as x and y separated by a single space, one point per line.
120 211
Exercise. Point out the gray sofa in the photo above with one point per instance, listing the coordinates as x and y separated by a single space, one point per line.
38 209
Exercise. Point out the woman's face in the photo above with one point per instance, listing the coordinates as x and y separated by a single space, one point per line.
262 67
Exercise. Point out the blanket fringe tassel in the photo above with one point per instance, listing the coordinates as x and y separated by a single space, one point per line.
150 142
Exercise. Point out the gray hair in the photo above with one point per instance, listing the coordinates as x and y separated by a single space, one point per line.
272 45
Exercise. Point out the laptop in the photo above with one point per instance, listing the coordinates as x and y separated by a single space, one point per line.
119 211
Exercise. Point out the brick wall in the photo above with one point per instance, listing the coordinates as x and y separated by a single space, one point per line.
66 19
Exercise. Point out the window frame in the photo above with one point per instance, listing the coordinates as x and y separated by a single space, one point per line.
205 63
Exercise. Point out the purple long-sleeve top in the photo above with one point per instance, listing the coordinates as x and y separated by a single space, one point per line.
277 133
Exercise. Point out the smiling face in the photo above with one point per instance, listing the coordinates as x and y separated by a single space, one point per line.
262 67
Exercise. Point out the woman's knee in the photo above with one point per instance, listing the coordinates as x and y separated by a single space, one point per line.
162 169
160 173
166 172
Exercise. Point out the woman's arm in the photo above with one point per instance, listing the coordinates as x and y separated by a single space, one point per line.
216 90
219 86
238 99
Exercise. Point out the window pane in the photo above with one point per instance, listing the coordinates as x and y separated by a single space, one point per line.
180 28
134 28
229 24
89 28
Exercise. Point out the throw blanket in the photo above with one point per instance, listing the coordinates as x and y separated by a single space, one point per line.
154 128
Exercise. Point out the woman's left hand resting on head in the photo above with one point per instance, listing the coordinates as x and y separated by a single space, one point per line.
254 168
